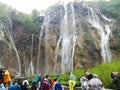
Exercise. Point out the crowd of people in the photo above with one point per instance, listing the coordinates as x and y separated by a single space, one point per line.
88 82
45 83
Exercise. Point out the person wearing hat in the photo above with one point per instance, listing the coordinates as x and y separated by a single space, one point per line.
116 80
95 83
72 83
72 76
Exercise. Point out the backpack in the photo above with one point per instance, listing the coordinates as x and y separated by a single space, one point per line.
45 85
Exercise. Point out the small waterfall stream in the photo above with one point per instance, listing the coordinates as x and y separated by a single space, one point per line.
104 32
6 37
31 62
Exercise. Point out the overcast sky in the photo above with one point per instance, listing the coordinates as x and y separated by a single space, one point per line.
27 6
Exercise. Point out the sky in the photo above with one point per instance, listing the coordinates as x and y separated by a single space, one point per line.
27 6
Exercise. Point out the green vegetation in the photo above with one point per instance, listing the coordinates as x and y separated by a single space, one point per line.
111 8
30 22
103 71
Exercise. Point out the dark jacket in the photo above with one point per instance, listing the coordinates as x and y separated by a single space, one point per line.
116 82
90 76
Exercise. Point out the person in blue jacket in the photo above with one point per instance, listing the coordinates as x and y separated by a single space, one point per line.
14 87
2 86
57 85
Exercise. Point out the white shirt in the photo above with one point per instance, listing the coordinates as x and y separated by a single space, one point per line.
95 84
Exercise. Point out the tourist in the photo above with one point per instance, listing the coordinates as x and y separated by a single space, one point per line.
2 86
14 87
84 83
46 83
72 76
88 75
57 85
1 75
7 78
24 85
72 83
51 83
95 83
36 82
116 80
42 79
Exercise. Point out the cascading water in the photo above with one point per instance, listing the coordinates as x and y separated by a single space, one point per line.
8 23
95 22
47 37
58 35
104 17
1 33
66 42
6 37
47 40
31 62
44 26
74 35
108 52
67 39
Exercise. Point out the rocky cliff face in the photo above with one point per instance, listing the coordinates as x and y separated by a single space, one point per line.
42 57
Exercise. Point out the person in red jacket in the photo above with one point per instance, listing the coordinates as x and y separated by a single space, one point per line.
46 83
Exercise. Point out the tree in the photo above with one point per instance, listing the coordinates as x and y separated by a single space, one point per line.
35 14
111 8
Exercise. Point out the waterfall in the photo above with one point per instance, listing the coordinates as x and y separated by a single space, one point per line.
65 53
104 17
47 37
31 62
104 31
8 23
6 37
107 28
1 33
38 57
74 35
44 26
67 39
